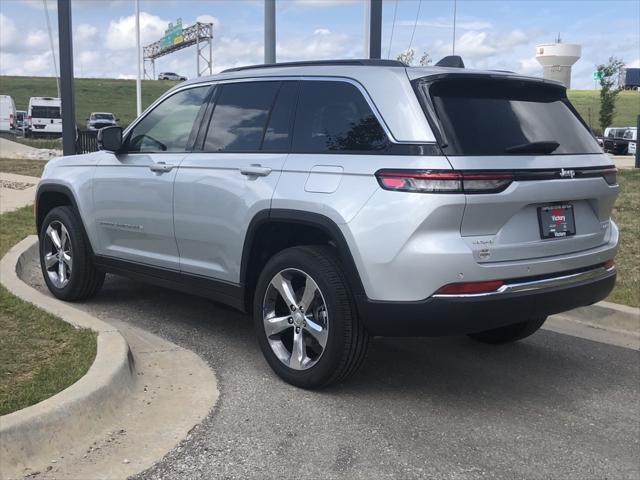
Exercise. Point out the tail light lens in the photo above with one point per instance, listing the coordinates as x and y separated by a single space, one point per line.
610 176
429 181
30 121
470 288
609 264
11 120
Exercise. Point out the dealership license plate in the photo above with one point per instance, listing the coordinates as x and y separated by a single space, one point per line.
556 221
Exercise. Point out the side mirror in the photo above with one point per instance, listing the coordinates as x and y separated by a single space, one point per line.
110 139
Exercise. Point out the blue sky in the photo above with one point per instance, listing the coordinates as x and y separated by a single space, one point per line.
496 34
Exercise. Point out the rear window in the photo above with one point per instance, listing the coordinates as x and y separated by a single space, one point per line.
45 112
506 117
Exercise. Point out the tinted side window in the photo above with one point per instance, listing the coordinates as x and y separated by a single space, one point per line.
335 117
276 136
240 117
167 127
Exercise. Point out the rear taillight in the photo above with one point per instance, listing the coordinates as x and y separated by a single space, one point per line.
30 121
470 288
609 264
429 181
11 120
610 176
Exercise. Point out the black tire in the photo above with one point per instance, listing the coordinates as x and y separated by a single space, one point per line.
510 333
84 280
347 340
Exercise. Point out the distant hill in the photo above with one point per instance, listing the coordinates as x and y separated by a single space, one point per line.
92 94
119 97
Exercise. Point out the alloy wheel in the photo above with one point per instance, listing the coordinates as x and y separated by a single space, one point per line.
295 319
58 258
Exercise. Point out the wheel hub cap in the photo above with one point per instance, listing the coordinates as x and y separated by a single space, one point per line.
58 260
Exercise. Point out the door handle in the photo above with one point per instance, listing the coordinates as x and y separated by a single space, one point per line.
255 171
161 167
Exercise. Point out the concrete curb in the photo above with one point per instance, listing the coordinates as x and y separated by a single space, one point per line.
41 432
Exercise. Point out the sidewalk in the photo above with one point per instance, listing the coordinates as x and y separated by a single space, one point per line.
16 191
9 149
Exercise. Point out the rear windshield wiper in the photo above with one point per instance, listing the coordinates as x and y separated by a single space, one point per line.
534 147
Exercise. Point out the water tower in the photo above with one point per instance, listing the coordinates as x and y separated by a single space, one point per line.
557 59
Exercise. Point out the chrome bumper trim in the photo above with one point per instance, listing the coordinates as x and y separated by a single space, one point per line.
599 273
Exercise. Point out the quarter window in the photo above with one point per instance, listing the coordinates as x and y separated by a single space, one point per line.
240 116
168 126
334 117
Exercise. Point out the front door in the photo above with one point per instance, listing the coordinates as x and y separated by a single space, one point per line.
133 190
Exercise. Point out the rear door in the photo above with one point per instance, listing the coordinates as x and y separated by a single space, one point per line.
560 188
231 174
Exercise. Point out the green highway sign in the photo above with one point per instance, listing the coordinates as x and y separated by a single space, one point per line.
597 76
172 35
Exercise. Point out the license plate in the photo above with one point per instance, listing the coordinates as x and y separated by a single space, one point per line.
556 221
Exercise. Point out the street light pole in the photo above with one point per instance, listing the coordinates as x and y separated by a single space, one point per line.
269 31
66 78
138 79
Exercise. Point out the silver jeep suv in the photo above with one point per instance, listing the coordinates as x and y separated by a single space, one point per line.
343 199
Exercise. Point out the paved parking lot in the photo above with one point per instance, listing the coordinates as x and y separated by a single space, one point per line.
553 406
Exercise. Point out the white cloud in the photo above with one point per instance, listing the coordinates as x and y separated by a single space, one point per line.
475 45
322 44
37 41
529 66
85 32
121 33
209 19
8 32
442 23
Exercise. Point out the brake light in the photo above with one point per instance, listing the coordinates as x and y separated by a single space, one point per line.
470 288
609 264
610 176
11 120
429 181
30 122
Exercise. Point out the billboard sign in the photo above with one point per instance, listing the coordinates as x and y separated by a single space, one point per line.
172 35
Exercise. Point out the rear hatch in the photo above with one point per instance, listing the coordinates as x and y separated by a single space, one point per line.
542 186
46 118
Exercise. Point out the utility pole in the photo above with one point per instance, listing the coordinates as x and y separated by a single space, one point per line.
375 29
139 60
269 31
66 78
455 11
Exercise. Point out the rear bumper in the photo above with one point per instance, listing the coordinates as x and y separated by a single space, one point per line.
464 314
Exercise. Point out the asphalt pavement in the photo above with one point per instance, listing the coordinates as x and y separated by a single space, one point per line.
552 406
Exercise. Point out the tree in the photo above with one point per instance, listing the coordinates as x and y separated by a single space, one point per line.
406 56
425 60
609 75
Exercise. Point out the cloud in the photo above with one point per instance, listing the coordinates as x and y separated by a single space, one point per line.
209 19
85 32
529 66
36 41
476 45
121 34
8 32
441 23
323 43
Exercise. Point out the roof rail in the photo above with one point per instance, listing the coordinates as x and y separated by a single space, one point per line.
367 62
454 61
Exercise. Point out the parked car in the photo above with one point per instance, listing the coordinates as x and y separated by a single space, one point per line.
44 117
615 141
21 123
7 113
171 76
339 200
98 120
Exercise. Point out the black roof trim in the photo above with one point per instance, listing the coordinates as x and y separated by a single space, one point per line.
454 61
365 62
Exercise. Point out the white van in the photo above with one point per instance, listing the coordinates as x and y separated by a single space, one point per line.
7 113
44 116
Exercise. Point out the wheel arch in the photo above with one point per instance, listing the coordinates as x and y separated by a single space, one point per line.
310 229
52 195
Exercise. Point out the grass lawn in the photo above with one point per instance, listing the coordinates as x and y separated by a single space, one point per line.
627 215
92 94
587 102
40 355
32 168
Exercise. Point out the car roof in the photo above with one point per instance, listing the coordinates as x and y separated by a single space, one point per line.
402 113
